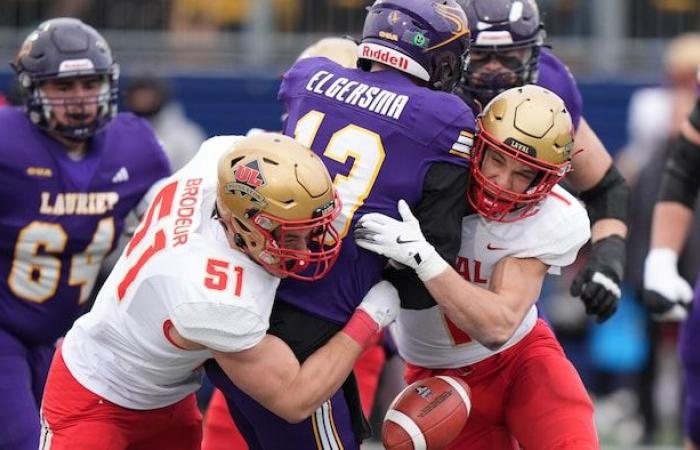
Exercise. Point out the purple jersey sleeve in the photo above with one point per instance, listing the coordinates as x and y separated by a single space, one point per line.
555 76
59 217
378 133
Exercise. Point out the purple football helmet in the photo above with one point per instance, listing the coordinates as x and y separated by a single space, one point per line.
66 48
426 39
509 31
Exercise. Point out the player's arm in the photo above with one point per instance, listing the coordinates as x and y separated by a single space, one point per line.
606 196
492 315
269 372
666 293
602 187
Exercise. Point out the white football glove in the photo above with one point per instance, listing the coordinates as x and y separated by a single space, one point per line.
666 294
381 303
401 241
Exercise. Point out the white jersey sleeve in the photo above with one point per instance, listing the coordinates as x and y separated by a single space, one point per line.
557 231
225 326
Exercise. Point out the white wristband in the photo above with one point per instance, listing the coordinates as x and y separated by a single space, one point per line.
431 267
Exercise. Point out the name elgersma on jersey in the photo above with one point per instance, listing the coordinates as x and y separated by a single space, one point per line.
351 92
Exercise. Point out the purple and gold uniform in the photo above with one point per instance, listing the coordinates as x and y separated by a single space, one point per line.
59 217
381 137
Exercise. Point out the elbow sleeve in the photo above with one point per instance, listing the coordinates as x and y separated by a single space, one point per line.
681 178
609 199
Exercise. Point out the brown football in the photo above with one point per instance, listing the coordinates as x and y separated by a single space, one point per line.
427 415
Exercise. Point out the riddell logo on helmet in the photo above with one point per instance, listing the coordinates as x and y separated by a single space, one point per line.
385 56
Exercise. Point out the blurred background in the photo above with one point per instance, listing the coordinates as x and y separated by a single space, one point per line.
198 68
224 55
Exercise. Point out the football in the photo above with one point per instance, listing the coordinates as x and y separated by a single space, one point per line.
427 415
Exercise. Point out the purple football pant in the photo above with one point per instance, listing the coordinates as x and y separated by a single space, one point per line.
690 357
24 371
329 428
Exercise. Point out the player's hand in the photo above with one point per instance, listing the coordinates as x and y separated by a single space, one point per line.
381 303
379 308
400 240
598 283
667 295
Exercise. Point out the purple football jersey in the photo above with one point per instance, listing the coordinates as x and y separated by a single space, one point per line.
60 217
378 133
555 76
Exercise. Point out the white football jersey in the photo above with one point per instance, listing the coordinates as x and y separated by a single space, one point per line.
553 235
178 270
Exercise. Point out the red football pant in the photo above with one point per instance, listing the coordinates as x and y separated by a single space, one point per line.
220 432
529 395
74 418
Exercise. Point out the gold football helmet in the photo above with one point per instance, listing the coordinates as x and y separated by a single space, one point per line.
339 50
531 125
271 190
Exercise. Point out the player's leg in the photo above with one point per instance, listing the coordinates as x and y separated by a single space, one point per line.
690 358
485 428
329 427
547 407
175 427
220 432
19 416
77 419
73 418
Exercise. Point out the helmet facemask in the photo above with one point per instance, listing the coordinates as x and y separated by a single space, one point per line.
275 243
519 66
79 123
495 202
511 32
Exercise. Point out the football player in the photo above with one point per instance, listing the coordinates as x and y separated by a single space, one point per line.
387 130
220 432
196 281
72 170
485 327
508 50
666 294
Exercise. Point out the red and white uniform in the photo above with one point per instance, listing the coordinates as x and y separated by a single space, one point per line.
180 270
515 388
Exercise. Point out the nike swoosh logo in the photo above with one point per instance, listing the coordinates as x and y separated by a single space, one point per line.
401 241
492 247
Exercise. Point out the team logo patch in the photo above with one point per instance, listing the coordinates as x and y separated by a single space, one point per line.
248 178
416 38
394 17
424 391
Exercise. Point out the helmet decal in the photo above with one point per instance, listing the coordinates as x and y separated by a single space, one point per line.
248 179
